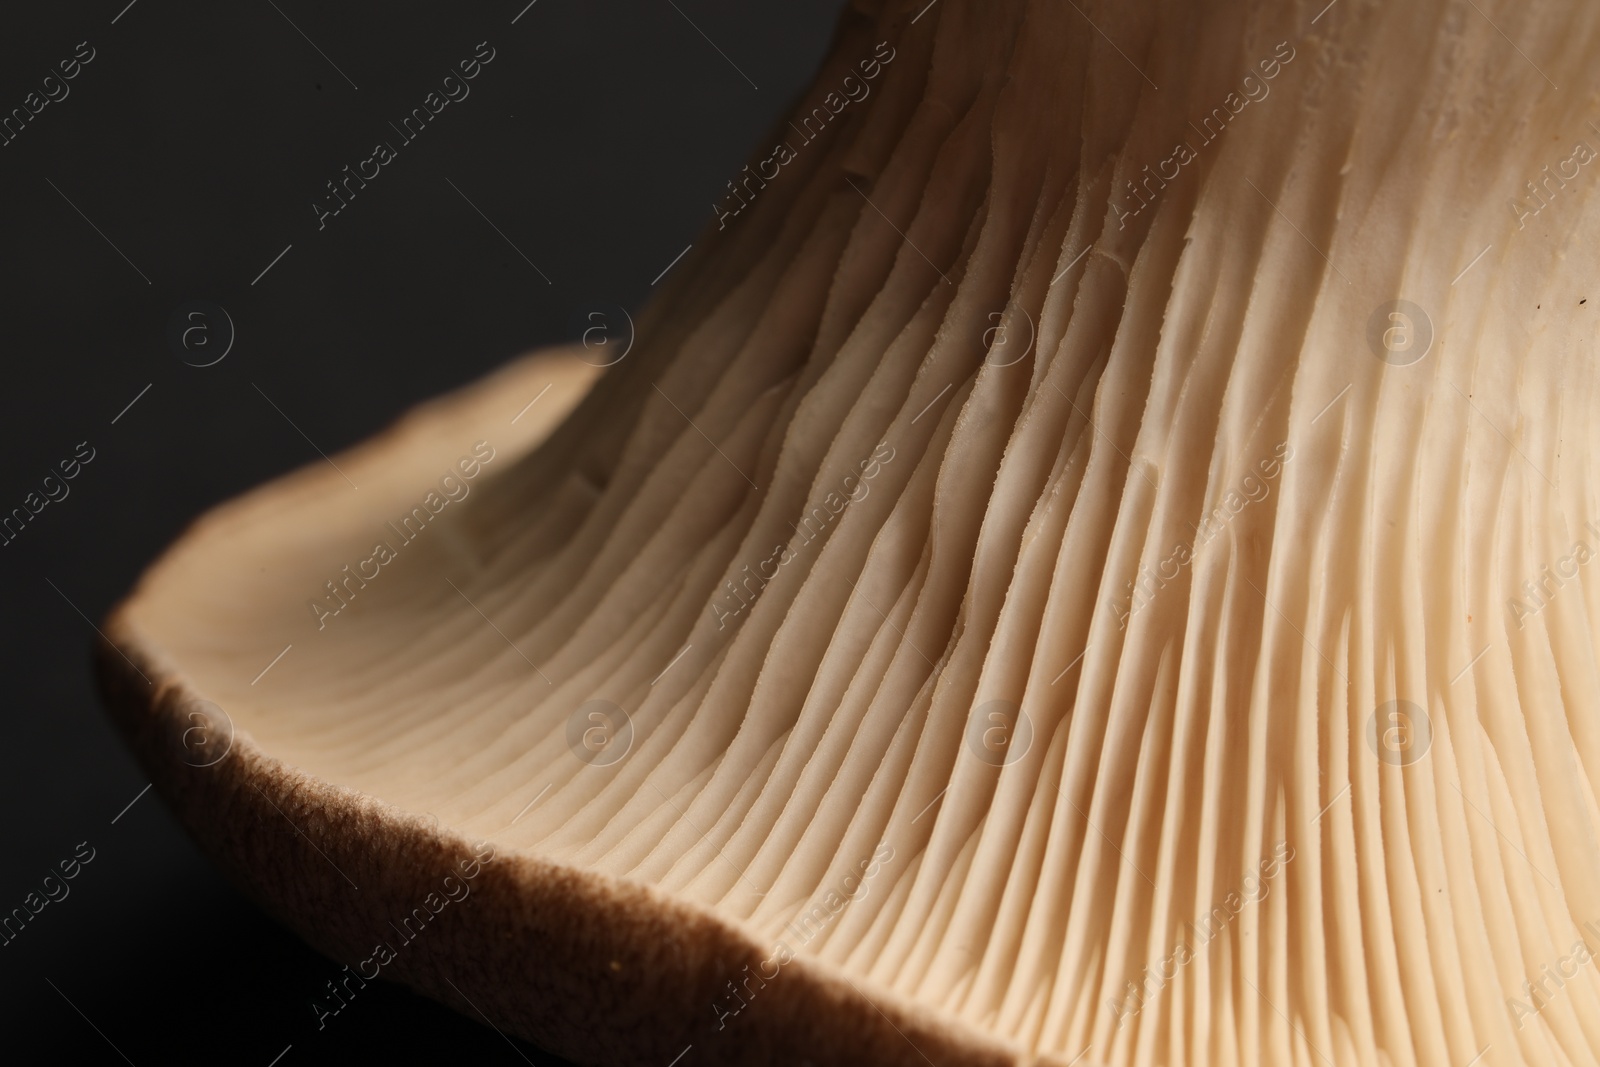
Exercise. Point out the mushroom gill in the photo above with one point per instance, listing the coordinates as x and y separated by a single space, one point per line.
1089 557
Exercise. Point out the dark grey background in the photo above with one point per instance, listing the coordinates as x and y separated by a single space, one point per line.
196 141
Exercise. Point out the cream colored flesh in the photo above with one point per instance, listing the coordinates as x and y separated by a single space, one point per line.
1153 368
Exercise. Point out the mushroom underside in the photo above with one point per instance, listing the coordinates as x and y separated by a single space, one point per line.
1088 558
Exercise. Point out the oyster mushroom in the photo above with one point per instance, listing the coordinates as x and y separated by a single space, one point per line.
1088 562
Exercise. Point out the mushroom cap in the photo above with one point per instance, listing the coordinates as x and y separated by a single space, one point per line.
1088 558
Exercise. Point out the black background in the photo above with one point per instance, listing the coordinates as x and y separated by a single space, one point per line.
196 142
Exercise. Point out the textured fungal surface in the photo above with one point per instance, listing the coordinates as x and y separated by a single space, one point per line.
1094 550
